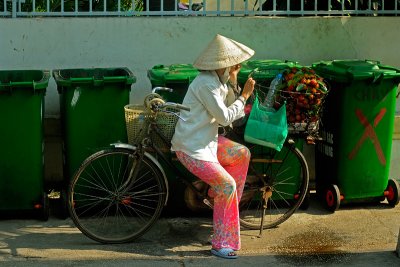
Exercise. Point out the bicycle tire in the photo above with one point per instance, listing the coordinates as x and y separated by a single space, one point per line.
108 204
285 174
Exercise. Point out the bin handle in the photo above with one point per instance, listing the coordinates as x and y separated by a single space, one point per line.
378 77
9 86
376 62
97 81
5 87
93 80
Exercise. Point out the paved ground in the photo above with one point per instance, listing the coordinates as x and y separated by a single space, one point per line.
356 235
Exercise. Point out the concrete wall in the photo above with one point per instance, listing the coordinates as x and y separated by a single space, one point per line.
139 43
142 42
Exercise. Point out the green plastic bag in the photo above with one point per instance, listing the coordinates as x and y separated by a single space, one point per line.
266 126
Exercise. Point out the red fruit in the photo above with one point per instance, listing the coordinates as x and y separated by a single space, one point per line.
290 88
313 83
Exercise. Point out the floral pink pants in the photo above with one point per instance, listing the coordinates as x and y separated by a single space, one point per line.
226 179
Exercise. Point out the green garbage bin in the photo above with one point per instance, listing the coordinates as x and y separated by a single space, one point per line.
176 76
22 185
264 71
353 160
92 111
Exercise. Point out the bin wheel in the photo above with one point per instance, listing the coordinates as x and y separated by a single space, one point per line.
392 192
332 198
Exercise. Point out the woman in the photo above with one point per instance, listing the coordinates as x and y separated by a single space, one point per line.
216 160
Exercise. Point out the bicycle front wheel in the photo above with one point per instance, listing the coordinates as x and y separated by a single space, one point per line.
276 185
114 197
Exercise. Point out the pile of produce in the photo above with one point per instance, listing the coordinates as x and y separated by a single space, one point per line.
304 92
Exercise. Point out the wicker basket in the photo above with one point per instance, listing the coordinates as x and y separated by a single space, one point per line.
137 120
309 114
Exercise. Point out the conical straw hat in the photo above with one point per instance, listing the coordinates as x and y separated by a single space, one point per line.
221 53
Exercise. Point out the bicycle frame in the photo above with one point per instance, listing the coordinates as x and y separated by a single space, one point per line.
147 147
181 176
134 149
128 183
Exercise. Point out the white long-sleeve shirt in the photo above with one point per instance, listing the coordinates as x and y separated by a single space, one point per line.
197 134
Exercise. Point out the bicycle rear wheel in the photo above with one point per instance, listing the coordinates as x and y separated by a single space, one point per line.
114 198
276 180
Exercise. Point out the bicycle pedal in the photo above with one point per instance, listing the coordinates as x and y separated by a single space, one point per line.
208 203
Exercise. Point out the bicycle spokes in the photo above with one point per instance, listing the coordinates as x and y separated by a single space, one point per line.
277 183
116 198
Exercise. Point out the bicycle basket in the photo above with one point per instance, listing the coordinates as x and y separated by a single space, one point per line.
303 92
137 119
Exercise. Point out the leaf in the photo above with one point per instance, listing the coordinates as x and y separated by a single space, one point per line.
300 87
322 87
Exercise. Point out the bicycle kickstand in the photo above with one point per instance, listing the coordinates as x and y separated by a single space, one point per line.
262 223
208 203
266 195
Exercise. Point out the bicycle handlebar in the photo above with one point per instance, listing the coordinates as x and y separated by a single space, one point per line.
176 105
160 88
168 104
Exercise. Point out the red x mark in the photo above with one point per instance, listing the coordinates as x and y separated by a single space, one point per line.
371 134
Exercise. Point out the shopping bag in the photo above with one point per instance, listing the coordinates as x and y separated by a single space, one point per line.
266 126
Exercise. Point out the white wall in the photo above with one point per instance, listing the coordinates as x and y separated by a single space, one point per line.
139 43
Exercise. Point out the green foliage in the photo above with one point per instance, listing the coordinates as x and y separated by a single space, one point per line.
82 5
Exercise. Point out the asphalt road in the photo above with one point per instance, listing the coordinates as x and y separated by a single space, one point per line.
355 235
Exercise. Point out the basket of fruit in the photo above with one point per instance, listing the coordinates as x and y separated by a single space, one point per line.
304 92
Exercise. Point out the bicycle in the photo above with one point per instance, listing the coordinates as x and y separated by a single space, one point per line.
118 193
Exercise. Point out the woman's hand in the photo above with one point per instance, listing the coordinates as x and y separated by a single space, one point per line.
233 73
248 88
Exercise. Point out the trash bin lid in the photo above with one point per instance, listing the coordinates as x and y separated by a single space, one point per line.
95 76
160 75
349 70
264 69
29 79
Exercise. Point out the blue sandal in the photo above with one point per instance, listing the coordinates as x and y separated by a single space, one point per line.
226 253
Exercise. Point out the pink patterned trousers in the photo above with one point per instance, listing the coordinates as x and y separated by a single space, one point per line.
226 179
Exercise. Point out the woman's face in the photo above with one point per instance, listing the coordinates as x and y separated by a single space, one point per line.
225 73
